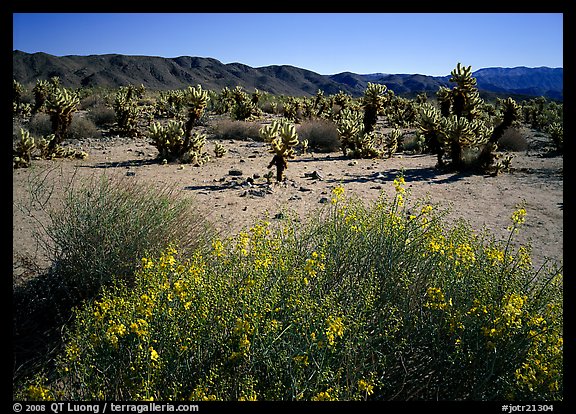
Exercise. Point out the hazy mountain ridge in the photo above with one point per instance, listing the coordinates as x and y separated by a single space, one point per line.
159 73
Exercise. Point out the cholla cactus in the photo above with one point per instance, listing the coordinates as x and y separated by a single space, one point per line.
354 141
463 122
24 149
196 100
556 132
373 102
61 105
219 150
173 145
392 141
282 138
126 109
244 107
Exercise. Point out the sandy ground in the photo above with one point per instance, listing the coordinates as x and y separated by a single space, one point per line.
233 202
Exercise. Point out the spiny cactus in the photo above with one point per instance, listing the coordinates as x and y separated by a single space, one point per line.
219 150
463 122
17 91
24 149
126 110
244 108
170 104
392 141
283 138
556 132
41 91
61 105
173 145
355 142
373 102
196 100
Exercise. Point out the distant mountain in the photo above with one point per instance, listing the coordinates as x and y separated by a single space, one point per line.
541 81
159 73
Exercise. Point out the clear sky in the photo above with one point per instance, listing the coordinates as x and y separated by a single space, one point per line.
326 43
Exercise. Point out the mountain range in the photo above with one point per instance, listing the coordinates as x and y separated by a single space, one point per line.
160 73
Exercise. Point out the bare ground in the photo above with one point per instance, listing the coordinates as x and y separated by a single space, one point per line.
233 202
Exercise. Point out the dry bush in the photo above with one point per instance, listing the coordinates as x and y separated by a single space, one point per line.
240 130
102 115
82 128
513 140
322 135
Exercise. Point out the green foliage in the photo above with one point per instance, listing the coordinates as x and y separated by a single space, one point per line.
380 302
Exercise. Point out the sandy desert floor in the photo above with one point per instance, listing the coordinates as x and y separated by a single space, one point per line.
232 192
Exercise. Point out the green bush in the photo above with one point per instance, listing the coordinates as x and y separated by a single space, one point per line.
106 224
381 302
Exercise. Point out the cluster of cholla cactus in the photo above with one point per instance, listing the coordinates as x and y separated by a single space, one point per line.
355 142
176 141
358 137
170 104
42 91
244 106
60 106
195 99
461 123
127 110
375 97
174 144
27 149
283 138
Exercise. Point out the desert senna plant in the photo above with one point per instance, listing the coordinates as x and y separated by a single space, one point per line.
283 138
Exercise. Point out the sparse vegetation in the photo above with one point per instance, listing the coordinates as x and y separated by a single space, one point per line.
383 301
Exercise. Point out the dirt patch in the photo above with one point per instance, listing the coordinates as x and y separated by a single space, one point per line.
233 192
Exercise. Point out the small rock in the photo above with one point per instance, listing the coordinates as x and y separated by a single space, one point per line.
304 189
235 172
323 200
130 173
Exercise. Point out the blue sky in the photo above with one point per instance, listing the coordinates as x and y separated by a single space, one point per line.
326 43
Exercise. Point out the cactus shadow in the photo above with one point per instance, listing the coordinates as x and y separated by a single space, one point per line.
122 164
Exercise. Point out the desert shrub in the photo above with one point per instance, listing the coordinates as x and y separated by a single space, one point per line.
322 135
40 125
513 140
81 128
239 130
380 302
105 224
102 115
